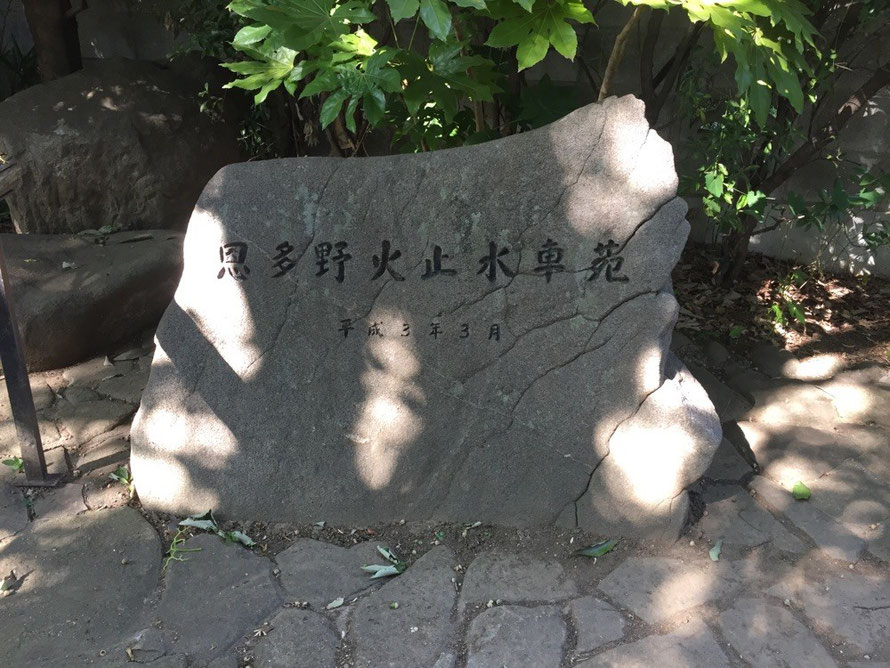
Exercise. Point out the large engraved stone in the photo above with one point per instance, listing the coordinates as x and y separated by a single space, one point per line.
472 334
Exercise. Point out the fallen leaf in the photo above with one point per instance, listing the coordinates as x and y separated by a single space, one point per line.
715 551
599 549
800 491
336 603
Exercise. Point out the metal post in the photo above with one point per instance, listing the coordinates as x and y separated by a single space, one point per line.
19 389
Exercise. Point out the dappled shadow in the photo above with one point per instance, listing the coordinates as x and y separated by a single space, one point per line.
263 403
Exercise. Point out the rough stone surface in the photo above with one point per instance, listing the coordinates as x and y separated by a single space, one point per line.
855 607
727 463
764 634
139 128
657 588
84 421
728 403
735 517
515 578
640 488
511 635
417 632
13 514
692 644
210 620
832 538
64 501
103 454
41 393
385 427
596 623
297 639
319 572
111 293
77 596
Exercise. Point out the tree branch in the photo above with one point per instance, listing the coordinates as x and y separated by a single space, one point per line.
829 132
617 54
647 57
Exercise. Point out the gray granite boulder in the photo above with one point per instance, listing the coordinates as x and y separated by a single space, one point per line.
120 142
460 335
75 298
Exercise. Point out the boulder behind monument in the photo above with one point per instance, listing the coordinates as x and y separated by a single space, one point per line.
473 334
120 143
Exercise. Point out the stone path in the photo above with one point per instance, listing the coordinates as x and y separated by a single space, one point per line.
796 583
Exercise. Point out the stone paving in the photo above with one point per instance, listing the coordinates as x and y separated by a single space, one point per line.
796 582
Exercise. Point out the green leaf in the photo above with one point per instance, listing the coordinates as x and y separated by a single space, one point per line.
599 549
16 463
714 183
205 522
800 491
715 551
331 107
736 331
336 603
563 38
240 537
474 4
251 35
436 17
531 51
402 9
796 311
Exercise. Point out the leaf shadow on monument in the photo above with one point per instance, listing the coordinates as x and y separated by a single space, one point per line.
301 422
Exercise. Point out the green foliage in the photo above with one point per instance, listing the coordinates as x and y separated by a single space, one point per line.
422 91
15 463
767 39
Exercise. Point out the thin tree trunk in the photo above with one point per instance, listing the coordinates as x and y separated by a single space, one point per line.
54 31
617 54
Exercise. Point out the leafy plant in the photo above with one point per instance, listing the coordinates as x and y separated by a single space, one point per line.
175 551
122 475
16 464
207 522
598 549
395 566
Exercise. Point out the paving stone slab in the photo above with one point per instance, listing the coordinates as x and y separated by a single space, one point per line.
319 572
855 607
691 644
216 596
765 634
853 496
657 588
596 622
735 517
862 402
13 512
297 639
60 502
86 582
727 463
417 632
49 434
792 403
515 578
799 452
94 371
41 393
103 454
512 635
729 404
832 538
85 421
127 388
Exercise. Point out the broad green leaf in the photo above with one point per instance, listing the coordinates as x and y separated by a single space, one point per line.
714 183
796 311
800 491
331 107
599 549
563 38
531 51
402 9
475 4
251 35
526 4
436 17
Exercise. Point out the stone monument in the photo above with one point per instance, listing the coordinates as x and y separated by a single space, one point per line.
471 334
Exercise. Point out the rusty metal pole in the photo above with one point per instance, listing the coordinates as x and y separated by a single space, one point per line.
19 389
